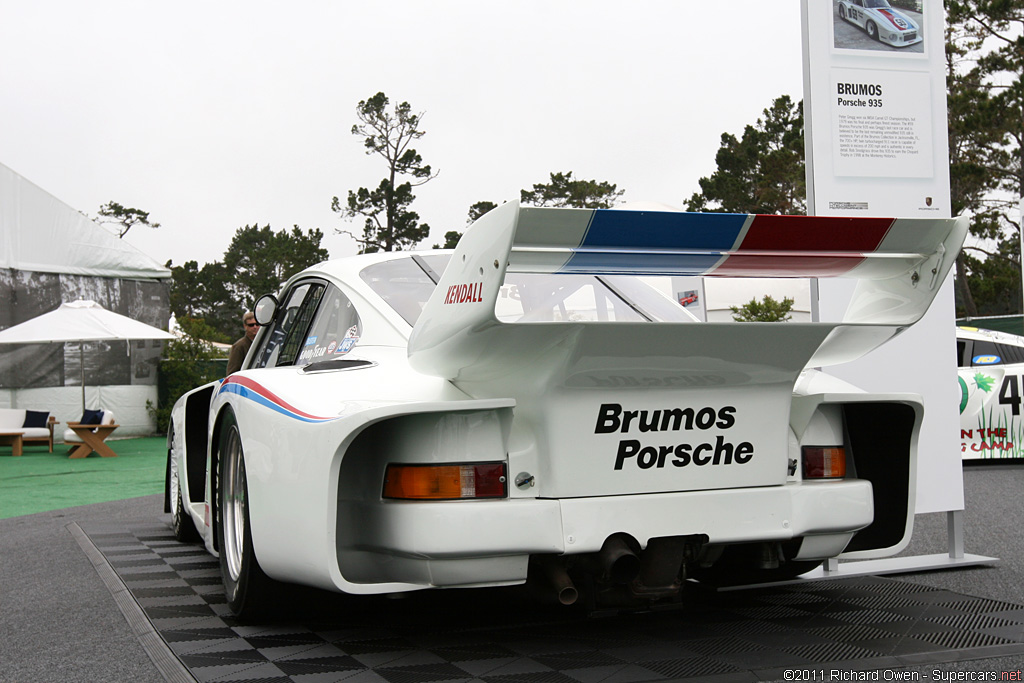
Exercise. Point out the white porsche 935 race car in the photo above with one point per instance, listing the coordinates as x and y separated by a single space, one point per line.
527 407
881 21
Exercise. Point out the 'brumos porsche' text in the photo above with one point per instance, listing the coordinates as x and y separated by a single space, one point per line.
654 452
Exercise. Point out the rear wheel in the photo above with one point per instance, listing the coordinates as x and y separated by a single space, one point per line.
249 591
181 521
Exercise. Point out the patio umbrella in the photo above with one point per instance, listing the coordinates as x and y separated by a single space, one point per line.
80 321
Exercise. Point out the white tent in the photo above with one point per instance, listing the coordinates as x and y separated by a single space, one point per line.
52 253
40 233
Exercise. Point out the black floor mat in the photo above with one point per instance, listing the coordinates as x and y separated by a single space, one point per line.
498 636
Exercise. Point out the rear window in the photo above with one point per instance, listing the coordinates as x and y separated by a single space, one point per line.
537 298
407 283
403 284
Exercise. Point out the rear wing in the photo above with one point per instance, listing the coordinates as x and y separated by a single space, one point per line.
898 264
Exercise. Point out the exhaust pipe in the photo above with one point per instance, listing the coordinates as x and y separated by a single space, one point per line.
617 560
553 581
661 565
558 579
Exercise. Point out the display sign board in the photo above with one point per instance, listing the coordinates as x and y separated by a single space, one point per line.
875 124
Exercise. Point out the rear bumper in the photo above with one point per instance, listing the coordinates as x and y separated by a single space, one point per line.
469 543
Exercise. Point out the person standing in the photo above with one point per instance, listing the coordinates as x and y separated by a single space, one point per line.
241 347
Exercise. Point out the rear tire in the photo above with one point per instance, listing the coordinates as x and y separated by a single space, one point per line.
250 592
181 521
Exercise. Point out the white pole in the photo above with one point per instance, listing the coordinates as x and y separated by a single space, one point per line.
81 359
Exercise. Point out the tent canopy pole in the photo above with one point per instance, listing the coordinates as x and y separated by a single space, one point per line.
81 358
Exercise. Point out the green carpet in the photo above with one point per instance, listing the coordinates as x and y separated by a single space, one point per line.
40 481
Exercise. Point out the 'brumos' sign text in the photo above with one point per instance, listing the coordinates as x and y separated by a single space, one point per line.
652 451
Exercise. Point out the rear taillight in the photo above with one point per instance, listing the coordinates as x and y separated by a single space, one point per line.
445 482
824 462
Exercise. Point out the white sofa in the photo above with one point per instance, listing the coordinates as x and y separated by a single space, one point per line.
12 419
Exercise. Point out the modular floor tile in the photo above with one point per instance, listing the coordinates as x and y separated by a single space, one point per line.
496 636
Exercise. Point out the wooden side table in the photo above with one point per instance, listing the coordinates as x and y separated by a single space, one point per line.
12 439
93 437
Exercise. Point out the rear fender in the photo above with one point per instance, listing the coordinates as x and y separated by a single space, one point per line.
880 433
466 432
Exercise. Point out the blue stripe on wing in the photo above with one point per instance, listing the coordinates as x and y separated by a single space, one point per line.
619 242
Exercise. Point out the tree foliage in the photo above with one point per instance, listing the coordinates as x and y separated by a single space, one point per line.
452 237
478 210
985 77
565 191
388 222
451 240
767 310
763 170
203 294
260 260
257 262
124 218
188 362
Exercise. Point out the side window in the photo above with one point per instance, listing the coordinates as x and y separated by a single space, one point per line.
335 329
282 343
985 353
402 284
1010 354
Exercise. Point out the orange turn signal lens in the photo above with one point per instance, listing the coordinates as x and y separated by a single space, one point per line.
445 482
824 462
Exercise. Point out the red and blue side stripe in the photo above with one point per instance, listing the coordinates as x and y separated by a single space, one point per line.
256 392
893 16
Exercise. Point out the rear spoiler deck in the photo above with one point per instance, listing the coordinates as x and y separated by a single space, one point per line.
898 264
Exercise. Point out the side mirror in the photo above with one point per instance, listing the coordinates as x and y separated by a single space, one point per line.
265 309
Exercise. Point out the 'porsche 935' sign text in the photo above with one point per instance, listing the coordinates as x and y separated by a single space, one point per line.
611 418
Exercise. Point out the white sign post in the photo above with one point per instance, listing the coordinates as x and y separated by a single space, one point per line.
875 126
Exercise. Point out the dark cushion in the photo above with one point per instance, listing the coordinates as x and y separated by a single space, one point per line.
91 417
35 418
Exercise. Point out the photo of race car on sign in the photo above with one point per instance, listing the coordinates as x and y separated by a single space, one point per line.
690 297
877 24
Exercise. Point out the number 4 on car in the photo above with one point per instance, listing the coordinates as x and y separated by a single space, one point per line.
991 366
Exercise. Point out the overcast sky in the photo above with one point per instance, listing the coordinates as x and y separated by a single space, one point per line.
214 115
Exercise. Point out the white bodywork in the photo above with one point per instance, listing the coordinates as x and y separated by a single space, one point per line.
579 412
